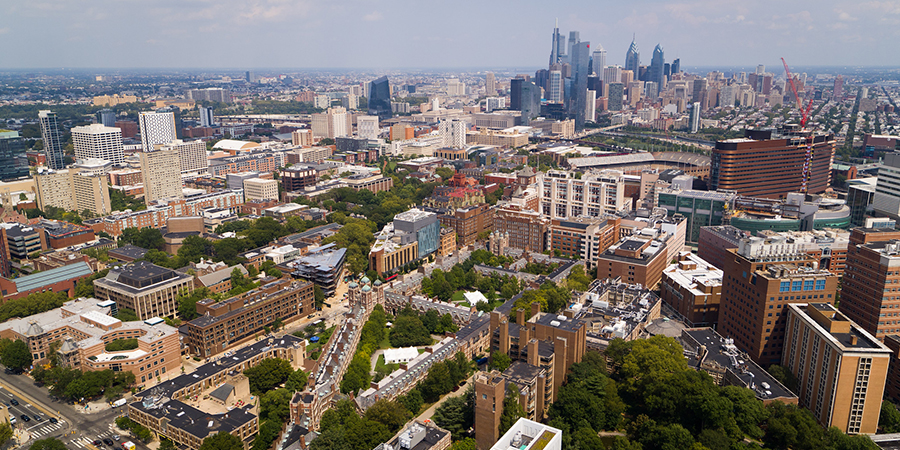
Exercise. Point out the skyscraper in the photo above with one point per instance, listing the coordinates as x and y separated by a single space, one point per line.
380 98
838 88
98 141
633 58
581 59
695 117
13 162
249 76
556 87
616 94
52 139
558 46
107 117
598 61
525 96
206 116
490 84
161 171
574 39
612 74
676 66
157 128
655 72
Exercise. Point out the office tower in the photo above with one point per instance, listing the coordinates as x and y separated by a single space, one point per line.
590 110
635 90
13 161
161 171
838 88
633 58
380 98
612 74
840 367
157 128
574 39
616 95
490 84
676 66
453 133
52 139
667 69
541 78
558 46
191 156
107 117
887 191
767 84
656 72
771 166
527 98
727 95
760 69
594 84
581 60
695 117
98 141
367 127
867 292
206 116
249 76
556 87
627 77
699 90
761 277
598 61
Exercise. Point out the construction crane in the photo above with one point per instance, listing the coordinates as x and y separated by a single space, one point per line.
804 117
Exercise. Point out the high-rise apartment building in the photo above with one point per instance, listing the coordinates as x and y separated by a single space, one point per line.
633 58
612 74
335 122
595 194
13 161
367 127
761 278
577 97
157 128
615 101
191 156
838 93
106 117
209 94
161 171
453 133
206 116
303 138
490 84
72 191
380 98
98 141
771 166
868 295
886 200
556 87
598 61
840 367
695 117
52 139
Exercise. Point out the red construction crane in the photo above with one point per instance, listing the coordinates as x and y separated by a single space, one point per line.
804 117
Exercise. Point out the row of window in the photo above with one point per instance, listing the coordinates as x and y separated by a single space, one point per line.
802 285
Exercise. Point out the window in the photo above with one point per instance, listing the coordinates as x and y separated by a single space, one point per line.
820 285
808 285
797 285
785 286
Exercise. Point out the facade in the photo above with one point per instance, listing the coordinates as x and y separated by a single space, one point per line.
191 156
298 178
228 322
761 278
841 368
98 141
157 128
262 162
13 161
52 139
60 279
468 222
379 97
159 212
374 183
525 228
635 260
161 172
367 127
583 237
867 292
147 289
21 240
700 208
260 189
411 236
527 434
321 265
308 155
760 165
72 191
693 287
596 193
887 191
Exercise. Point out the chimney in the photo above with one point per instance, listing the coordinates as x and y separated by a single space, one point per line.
853 340
535 308
520 317
533 356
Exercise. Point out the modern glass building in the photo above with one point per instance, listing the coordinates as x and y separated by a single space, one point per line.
700 208
380 98
581 65
13 161
424 226
52 139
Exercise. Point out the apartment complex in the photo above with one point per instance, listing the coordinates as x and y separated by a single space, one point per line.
147 289
161 173
223 324
260 189
841 367
583 237
191 156
769 166
761 278
307 155
98 141
157 128
693 287
868 293
263 162
596 193
72 191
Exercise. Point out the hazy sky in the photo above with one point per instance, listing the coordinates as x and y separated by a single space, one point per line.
402 34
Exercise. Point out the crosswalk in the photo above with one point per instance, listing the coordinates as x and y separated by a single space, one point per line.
46 428
85 442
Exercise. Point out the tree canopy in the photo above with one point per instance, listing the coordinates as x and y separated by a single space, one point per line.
269 373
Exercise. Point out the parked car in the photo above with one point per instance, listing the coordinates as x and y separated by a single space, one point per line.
108 442
53 420
37 418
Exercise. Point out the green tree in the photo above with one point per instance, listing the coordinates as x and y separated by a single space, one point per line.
785 376
390 413
412 400
500 361
296 381
889 420
464 444
577 280
275 405
408 331
512 410
165 444
270 372
16 355
6 433
47 444
456 414
222 441
319 296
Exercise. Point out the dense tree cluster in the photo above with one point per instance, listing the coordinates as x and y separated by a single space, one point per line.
31 304
15 354
47 444
357 236
222 441
75 385
341 428
268 374
374 332
409 329
122 344
141 432
457 414
551 297
577 280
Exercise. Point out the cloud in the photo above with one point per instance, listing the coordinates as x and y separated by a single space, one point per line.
373 16
844 16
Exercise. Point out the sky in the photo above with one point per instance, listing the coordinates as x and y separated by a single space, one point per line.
395 34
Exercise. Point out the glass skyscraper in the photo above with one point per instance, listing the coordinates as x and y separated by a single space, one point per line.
52 139
13 161
656 71
581 60
380 99
633 59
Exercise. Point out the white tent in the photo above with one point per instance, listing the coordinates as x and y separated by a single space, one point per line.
475 297
400 355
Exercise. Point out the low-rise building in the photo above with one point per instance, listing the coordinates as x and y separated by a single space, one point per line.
634 259
60 279
693 287
147 289
583 237
260 189
527 434
419 436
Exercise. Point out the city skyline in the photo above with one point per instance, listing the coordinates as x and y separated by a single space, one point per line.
360 34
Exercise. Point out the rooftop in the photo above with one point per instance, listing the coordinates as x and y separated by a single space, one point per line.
52 276
129 251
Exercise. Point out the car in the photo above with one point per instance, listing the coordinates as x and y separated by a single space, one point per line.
14 402
310 316
53 420
12 420
38 418
97 443
25 418
108 442
115 437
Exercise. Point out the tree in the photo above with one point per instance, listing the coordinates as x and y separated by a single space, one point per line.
577 280
6 433
319 296
512 410
222 441
47 444
165 444
390 413
412 401
464 444
270 372
408 331
500 361
296 381
889 421
16 355
456 414
785 376
275 405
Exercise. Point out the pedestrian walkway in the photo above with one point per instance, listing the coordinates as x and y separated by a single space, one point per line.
45 428
87 442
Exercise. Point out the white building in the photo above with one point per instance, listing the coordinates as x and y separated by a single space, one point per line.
99 142
599 61
887 191
333 123
157 128
191 156
161 172
260 189
556 87
453 133
612 74
530 435
595 194
455 88
206 117
492 103
367 127
590 106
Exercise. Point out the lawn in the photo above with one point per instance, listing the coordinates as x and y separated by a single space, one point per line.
379 364
458 296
